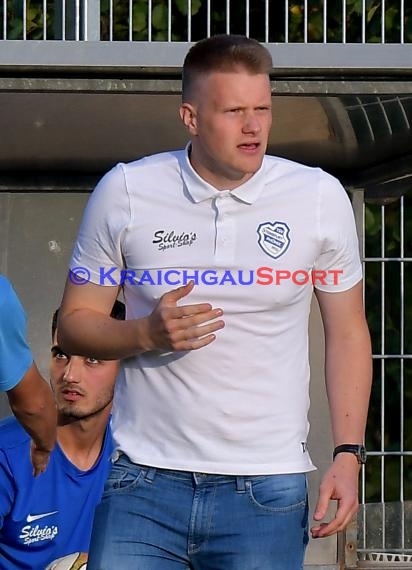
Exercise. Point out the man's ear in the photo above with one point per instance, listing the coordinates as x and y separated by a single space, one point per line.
189 118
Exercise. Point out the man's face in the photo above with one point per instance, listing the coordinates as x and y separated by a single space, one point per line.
82 386
228 118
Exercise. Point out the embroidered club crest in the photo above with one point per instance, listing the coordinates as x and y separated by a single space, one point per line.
274 238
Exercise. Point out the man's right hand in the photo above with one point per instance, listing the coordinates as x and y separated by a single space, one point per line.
186 327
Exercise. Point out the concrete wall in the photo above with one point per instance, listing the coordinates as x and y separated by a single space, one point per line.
36 237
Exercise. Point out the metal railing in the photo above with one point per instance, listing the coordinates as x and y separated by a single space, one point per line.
385 520
270 21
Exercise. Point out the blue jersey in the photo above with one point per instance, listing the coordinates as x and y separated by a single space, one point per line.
49 516
15 355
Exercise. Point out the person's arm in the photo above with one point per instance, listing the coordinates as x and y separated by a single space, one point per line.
85 326
348 370
32 402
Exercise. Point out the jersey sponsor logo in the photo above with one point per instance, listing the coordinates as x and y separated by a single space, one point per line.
31 534
172 239
32 518
274 238
39 532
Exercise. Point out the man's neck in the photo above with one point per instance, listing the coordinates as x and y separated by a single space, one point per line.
81 440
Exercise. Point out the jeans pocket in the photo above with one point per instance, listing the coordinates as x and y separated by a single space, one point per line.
278 493
123 476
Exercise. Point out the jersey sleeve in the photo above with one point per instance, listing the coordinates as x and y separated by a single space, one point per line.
105 220
15 354
338 265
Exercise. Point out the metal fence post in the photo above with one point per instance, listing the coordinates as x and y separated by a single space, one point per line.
347 546
91 20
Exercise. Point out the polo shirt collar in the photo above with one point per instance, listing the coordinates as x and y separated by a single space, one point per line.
200 190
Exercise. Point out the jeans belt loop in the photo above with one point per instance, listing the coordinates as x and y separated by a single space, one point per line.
240 484
150 474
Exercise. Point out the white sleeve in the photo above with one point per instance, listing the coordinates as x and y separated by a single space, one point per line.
339 256
98 247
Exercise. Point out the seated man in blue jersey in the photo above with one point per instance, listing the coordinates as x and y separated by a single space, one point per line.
29 396
45 518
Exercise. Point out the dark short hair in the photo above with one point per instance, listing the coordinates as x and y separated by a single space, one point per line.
118 312
224 52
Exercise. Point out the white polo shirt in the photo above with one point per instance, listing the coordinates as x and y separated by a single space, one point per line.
239 405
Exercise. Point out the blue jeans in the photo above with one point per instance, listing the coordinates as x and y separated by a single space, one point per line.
158 519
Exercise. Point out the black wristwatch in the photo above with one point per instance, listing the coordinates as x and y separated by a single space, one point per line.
358 450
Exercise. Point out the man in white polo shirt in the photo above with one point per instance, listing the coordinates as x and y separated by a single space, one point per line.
210 411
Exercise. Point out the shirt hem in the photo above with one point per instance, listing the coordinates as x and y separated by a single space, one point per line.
220 469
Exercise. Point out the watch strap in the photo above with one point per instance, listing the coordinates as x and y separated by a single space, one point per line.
357 449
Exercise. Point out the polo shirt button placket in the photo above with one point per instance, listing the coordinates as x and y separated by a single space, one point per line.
225 229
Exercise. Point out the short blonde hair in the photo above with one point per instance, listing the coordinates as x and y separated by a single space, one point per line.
223 52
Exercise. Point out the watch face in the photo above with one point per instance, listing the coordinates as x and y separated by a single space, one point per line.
362 454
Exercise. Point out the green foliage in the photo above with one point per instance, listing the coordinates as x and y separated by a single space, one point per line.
220 19
131 20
